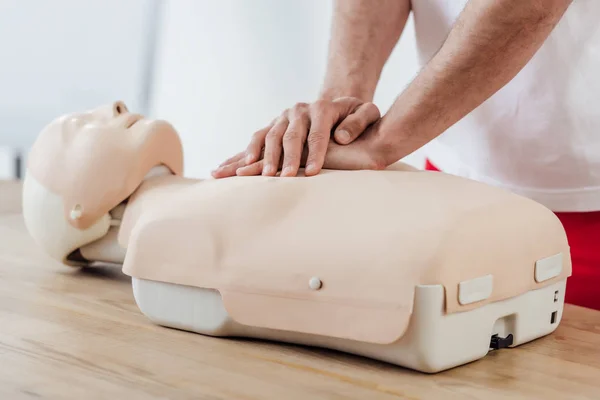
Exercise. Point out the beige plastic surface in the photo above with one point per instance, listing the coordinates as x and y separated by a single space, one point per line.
435 341
370 237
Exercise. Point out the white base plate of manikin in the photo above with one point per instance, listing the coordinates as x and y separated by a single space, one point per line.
433 342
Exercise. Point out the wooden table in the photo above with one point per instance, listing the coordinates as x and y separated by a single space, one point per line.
10 197
77 334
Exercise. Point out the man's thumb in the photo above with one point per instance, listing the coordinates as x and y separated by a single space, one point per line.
356 123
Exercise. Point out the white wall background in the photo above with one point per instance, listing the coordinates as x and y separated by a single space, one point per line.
226 68
222 69
65 55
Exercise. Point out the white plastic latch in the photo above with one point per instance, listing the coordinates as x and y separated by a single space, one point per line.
548 268
475 290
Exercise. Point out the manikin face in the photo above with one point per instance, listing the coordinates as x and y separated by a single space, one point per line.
94 160
107 124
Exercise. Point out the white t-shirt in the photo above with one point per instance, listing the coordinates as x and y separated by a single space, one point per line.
539 136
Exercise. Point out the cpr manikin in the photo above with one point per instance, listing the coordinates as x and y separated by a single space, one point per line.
420 269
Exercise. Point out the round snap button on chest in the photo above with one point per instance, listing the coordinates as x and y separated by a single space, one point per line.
315 283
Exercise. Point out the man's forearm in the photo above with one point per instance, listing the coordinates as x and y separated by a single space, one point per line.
364 33
490 43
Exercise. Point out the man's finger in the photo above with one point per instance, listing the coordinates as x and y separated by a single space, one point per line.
251 170
356 123
233 159
322 122
228 170
256 145
293 142
273 147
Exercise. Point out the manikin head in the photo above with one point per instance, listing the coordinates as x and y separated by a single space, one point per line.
83 165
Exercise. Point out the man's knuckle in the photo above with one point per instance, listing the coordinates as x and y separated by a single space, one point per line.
291 136
317 135
272 135
316 138
299 108
320 107
320 104
372 108
290 159
351 102
299 113
283 116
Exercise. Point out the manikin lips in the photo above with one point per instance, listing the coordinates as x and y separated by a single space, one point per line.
131 119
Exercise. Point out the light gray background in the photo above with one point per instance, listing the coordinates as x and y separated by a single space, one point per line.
216 70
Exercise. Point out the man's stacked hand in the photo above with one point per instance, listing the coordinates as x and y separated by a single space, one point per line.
332 134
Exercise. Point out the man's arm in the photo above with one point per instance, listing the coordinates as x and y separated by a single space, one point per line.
363 35
489 44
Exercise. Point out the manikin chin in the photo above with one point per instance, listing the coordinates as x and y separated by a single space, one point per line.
420 269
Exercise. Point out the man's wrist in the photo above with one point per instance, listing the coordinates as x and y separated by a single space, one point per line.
394 137
348 91
355 85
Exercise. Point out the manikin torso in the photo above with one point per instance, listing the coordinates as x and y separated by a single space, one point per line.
357 242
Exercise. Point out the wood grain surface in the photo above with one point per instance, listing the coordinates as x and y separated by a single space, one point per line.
10 197
77 334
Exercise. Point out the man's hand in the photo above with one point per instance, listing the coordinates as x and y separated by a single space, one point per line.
305 128
368 152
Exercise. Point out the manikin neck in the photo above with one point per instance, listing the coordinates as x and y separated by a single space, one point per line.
107 248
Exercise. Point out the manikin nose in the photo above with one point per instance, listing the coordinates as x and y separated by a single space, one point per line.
111 111
119 108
